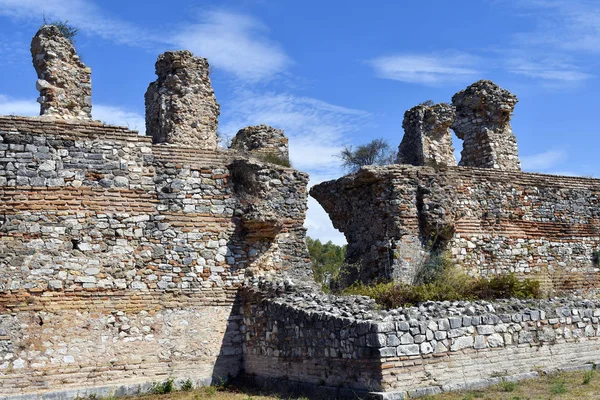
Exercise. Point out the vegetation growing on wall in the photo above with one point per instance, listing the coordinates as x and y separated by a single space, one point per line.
67 30
376 152
439 280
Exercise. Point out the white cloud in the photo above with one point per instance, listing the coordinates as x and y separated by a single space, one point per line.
119 116
105 113
547 69
235 43
543 161
83 14
426 69
9 106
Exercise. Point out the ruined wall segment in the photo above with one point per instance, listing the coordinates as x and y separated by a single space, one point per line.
262 140
181 107
64 81
483 113
104 234
539 226
427 138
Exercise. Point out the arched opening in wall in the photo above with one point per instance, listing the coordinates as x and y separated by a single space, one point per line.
458 146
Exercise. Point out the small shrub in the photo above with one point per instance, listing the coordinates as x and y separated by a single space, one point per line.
187 385
587 376
275 159
164 387
68 31
558 387
210 390
453 284
508 386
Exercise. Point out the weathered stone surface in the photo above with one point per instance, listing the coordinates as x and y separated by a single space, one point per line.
427 138
483 112
181 107
64 82
262 140
490 221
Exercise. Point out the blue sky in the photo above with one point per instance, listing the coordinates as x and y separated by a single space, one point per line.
335 73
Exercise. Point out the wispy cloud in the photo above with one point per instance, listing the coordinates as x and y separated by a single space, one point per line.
235 43
83 14
426 69
543 161
572 25
547 69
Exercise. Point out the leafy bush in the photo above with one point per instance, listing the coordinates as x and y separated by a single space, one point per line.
187 385
587 376
275 159
558 387
508 386
453 284
433 268
163 387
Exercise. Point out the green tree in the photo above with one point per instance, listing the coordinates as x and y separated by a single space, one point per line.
327 259
376 152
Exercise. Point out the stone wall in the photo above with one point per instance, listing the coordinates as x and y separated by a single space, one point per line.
181 107
427 138
107 240
64 82
483 112
540 226
344 346
262 140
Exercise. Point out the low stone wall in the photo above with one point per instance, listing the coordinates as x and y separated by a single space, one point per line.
345 342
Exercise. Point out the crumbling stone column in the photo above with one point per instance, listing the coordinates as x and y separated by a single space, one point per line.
483 112
181 106
427 138
262 140
64 82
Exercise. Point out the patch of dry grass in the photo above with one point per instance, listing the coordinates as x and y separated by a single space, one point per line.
560 386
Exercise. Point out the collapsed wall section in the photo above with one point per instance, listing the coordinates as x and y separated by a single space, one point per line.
132 254
492 222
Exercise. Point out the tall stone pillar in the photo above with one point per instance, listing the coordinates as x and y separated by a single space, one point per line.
64 82
427 138
483 112
181 107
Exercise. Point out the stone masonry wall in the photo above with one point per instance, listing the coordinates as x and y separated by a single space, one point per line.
483 112
344 346
64 82
181 107
540 226
107 240
427 138
262 140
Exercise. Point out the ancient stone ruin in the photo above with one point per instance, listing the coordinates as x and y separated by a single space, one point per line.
125 261
64 82
262 140
427 138
181 107
483 112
